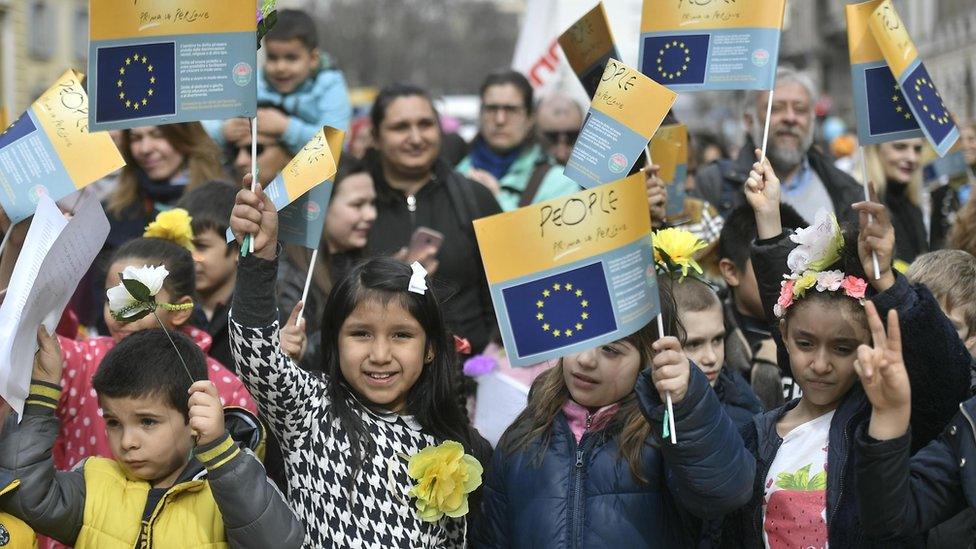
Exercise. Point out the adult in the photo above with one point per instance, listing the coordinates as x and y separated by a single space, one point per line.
948 199
504 156
161 162
558 124
809 179
895 169
415 188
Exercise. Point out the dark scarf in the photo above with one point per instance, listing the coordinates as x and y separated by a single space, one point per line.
497 164
161 192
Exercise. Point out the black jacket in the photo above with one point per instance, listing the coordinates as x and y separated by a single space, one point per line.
721 183
908 221
908 495
584 495
460 276
736 396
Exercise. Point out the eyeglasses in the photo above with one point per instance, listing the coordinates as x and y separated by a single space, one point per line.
554 137
509 110
234 150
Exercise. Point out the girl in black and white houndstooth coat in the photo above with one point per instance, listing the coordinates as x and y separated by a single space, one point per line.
388 392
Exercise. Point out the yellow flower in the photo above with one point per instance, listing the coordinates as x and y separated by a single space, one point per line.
806 281
677 247
445 475
173 225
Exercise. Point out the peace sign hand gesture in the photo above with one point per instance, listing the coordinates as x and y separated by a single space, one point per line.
884 378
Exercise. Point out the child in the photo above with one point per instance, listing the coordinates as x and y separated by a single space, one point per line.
215 260
905 495
802 449
298 79
14 534
951 276
586 463
177 478
388 390
82 426
700 314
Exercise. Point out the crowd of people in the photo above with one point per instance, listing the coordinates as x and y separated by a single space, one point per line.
816 402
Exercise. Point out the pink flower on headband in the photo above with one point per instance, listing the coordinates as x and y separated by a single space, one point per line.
854 287
785 297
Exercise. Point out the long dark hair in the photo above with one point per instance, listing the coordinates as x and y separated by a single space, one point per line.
433 398
549 393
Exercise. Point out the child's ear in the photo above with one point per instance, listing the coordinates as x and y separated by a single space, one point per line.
181 317
429 353
729 272
316 56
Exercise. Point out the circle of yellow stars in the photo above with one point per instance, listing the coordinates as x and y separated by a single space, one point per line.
660 59
896 100
131 102
943 118
572 327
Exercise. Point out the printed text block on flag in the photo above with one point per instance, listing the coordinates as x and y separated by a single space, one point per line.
302 221
669 149
919 91
626 111
711 44
49 150
572 273
588 45
881 109
165 61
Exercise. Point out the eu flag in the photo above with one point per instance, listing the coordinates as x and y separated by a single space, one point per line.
136 82
22 127
927 104
676 59
887 110
559 310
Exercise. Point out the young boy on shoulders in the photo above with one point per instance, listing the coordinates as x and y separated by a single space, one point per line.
178 478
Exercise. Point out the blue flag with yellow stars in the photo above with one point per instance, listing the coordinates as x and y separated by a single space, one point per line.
560 310
927 104
676 59
136 82
889 115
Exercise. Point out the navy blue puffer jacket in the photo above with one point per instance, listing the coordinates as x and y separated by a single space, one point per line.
585 495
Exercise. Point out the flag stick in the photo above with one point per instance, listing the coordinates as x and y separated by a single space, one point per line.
667 395
308 283
867 198
254 168
769 114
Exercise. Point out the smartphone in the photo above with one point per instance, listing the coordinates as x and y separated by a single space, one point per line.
424 239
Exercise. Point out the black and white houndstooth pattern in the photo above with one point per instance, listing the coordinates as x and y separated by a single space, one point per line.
377 512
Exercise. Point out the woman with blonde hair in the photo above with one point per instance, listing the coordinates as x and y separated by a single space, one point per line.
895 169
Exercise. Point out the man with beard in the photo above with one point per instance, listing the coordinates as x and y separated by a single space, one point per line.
809 180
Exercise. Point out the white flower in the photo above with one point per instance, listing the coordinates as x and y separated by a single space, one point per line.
798 260
819 244
122 303
829 280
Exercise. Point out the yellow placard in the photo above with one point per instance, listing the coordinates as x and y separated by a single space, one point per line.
638 102
669 149
664 15
62 111
861 45
563 230
893 38
587 40
312 165
115 19
335 137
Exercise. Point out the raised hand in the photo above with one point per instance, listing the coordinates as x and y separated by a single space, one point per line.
883 376
294 342
47 360
763 194
206 412
657 195
670 369
877 235
255 214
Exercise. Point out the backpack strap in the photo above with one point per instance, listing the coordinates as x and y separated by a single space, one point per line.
535 181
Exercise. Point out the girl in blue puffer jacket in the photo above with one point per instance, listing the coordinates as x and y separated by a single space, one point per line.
587 463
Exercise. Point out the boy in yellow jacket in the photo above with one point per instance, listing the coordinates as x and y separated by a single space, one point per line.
14 534
178 478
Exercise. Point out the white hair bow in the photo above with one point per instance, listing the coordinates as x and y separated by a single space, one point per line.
418 282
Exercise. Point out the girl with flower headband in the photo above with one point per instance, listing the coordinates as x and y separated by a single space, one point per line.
164 255
378 450
813 283
587 463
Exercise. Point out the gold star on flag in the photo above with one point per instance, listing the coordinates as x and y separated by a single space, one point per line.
898 109
908 116
568 287
149 68
144 59
121 95
144 101
545 327
121 70
128 104
925 108
556 286
585 316
152 79
128 61
150 92
579 326
539 316
556 333
539 304
119 84
569 333
136 106
579 293
894 98
545 293
584 304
